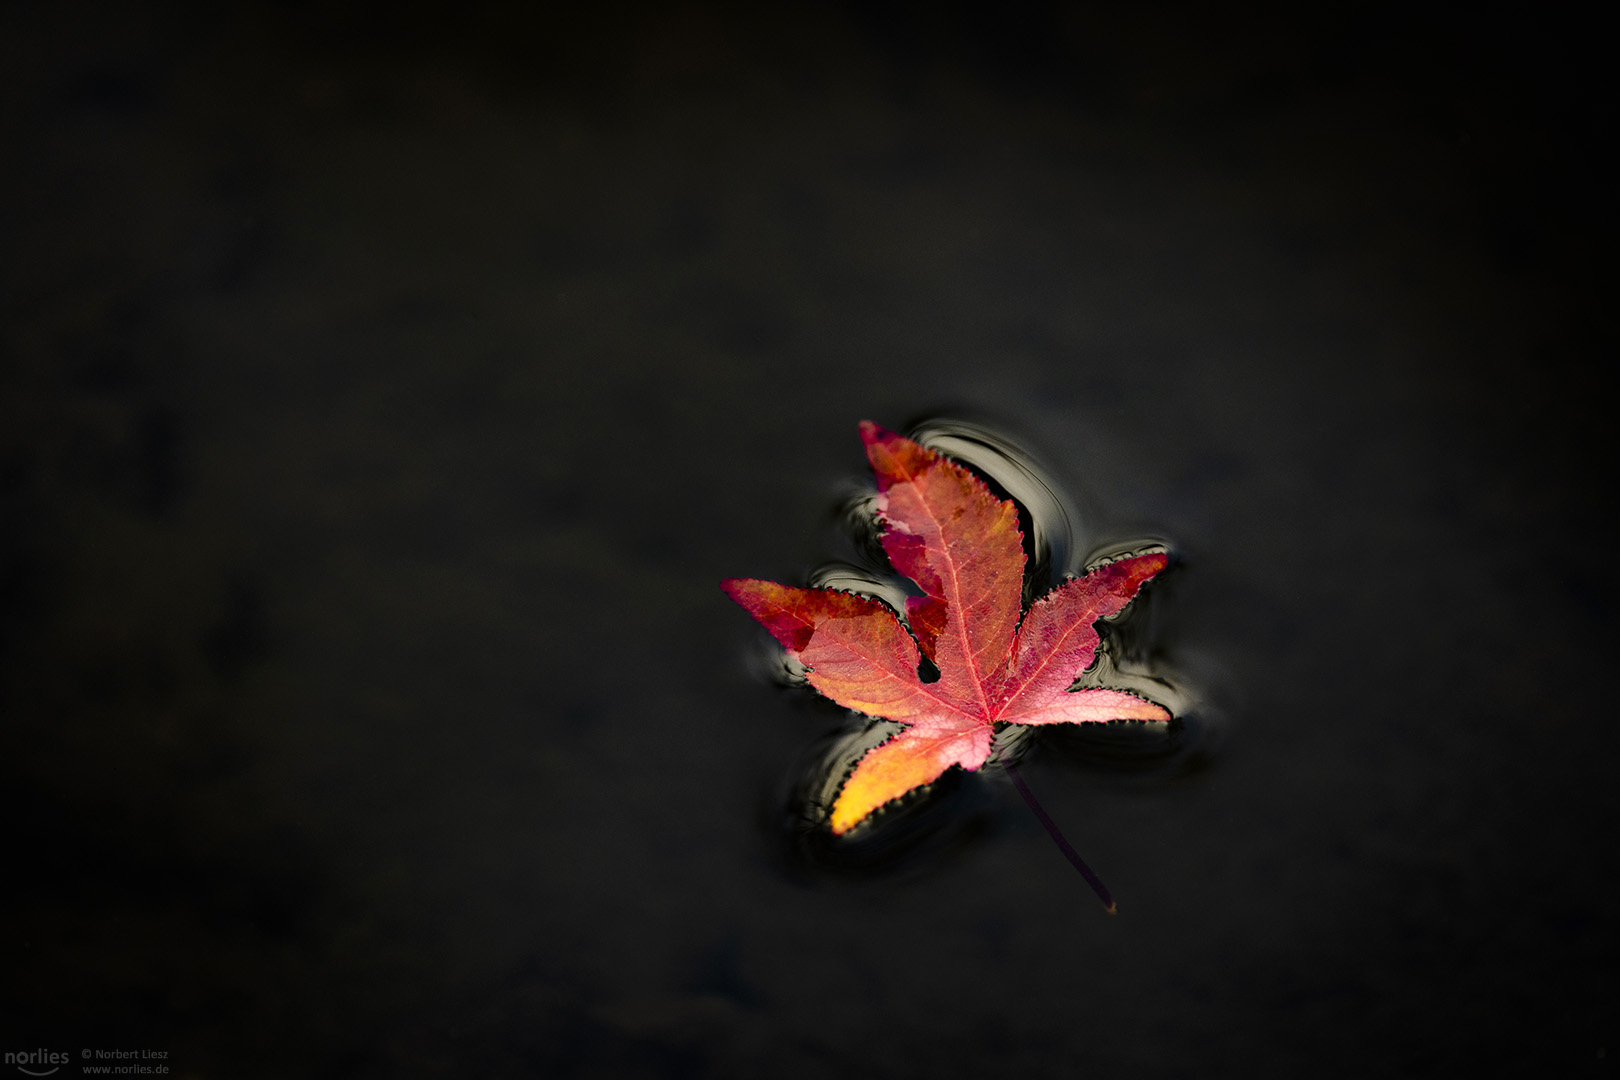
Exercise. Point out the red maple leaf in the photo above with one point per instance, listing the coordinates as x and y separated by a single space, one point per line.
946 531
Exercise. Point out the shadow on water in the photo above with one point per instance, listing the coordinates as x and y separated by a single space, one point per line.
922 830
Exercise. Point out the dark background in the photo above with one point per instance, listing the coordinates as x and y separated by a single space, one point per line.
384 390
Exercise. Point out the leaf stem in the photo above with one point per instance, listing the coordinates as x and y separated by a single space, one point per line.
1063 845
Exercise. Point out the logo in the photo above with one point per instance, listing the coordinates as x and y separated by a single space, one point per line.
38 1059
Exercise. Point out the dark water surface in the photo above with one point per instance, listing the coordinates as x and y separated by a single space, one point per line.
384 392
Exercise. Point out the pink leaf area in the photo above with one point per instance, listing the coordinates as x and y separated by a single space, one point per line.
945 530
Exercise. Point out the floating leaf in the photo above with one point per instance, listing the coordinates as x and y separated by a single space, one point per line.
945 530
